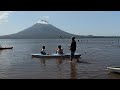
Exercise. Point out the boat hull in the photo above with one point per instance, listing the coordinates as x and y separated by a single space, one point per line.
114 69
55 56
6 48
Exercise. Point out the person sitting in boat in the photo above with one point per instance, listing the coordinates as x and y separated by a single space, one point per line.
59 50
43 50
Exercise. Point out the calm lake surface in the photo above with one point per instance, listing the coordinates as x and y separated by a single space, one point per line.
97 54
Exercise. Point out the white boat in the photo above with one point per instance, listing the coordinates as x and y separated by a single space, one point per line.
115 69
67 55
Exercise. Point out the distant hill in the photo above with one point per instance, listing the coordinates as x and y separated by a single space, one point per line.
39 31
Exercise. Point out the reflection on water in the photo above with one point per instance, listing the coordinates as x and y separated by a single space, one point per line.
59 61
60 66
113 75
73 70
99 53
0 51
43 62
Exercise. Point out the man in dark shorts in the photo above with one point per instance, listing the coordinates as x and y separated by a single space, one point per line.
73 49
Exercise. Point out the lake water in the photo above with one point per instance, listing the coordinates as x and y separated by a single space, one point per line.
97 54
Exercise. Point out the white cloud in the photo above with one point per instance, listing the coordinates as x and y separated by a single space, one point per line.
45 17
43 20
4 16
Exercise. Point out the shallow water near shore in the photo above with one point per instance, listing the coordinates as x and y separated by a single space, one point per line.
97 54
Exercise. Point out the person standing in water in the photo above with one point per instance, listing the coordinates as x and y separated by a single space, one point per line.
73 49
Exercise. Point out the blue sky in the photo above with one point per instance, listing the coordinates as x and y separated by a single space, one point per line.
100 23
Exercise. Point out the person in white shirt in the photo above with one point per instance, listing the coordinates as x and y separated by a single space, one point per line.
59 50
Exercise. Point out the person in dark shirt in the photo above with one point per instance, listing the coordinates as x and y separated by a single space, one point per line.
73 49
43 51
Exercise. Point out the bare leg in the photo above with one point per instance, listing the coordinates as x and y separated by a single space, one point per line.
77 59
71 58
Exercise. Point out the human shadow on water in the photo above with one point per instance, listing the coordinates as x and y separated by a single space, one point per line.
81 61
85 62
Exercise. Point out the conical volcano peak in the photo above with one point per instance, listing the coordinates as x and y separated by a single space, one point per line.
40 30
43 22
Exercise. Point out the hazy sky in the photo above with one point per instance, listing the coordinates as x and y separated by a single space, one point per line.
101 23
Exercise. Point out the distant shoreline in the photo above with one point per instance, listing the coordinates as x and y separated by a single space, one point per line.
69 38
100 37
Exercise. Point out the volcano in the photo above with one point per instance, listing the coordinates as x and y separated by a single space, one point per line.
39 31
